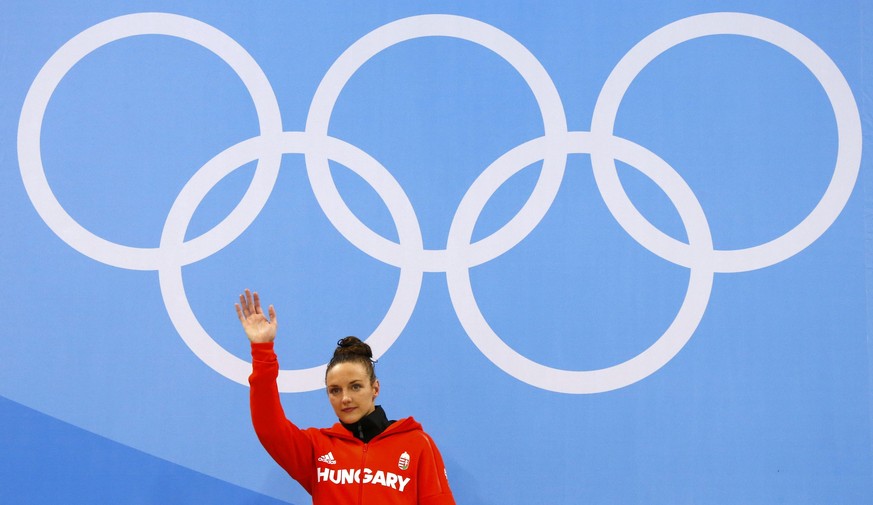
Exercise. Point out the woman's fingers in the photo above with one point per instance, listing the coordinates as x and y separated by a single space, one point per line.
250 303
257 302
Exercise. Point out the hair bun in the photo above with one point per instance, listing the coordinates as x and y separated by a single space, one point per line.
352 346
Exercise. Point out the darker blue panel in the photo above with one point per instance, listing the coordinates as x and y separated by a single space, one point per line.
47 461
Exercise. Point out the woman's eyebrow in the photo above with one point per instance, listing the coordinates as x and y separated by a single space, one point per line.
353 381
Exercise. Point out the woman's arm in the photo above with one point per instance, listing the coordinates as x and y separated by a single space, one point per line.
290 447
433 483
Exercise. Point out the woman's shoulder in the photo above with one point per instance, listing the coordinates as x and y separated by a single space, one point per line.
410 430
405 424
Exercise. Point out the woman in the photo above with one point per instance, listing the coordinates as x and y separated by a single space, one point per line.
364 458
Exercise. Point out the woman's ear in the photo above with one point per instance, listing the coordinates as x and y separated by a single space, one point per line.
375 388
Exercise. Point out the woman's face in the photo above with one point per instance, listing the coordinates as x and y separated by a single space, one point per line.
351 394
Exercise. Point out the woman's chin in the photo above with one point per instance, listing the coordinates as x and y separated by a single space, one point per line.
349 417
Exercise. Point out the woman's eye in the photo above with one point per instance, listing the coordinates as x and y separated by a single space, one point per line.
356 387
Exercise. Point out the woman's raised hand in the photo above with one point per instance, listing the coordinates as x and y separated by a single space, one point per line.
258 328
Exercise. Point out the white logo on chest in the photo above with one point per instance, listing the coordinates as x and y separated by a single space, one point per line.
365 476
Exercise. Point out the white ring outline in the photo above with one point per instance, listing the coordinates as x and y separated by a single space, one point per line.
172 284
839 94
436 25
86 42
633 369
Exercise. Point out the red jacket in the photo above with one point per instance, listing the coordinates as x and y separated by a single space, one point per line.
399 466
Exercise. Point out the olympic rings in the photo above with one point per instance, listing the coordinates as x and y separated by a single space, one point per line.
460 254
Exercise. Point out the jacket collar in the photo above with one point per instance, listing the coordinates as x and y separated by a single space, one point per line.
340 430
370 425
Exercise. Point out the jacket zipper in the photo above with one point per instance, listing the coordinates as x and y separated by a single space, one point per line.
363 465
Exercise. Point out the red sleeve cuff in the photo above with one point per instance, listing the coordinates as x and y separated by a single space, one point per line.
263 352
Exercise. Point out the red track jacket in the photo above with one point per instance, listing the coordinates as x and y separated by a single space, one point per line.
399 466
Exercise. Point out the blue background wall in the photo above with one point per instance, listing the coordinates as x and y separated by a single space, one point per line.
633 368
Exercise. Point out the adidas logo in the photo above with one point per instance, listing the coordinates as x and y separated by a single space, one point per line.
327 458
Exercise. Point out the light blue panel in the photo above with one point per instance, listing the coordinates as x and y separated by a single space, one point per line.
724 138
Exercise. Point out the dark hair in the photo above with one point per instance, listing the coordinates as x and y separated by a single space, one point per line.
352 349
